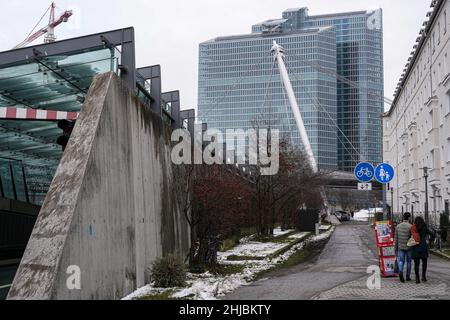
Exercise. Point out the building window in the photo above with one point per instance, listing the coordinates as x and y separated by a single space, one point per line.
445 21
431 163
448 150
448 105
439 32
445 65
442 157
434 41
430 121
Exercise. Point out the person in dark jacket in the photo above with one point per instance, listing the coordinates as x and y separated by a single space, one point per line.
421 234
67 128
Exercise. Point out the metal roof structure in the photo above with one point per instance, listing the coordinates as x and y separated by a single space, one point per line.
42 84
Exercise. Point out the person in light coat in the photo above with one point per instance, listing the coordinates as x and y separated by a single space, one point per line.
404 253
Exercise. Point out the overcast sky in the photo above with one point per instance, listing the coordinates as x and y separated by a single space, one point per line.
168 31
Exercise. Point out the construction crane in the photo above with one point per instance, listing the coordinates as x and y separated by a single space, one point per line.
49 30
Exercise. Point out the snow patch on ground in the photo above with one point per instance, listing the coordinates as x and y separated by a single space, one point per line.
364 215
145 291
300 235
207 286
324 228
279 233
251 249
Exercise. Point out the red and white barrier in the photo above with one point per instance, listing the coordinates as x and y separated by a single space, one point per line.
11 113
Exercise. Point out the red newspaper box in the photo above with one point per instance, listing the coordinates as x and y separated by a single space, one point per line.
386 248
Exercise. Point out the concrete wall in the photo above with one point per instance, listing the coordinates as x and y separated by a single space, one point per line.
111 208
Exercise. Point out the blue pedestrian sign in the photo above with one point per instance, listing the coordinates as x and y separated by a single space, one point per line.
384 173
364 172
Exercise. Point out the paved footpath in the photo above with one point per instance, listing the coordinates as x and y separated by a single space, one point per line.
339 272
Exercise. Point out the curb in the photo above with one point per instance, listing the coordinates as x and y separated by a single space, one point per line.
289 246
440 254
276 253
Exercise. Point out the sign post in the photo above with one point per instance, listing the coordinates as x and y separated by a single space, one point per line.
384 174
364 173
364 186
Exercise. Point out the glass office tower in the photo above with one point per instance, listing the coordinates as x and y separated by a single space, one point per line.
335 63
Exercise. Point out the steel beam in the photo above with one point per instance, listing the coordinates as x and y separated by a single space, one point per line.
153 73
173 98
120 37
188 115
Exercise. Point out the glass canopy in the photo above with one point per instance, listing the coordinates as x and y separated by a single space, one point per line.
29 154
54 83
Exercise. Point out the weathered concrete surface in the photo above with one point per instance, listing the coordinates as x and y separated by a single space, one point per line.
111 208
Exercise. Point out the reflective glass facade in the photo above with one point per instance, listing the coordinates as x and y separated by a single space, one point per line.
335 63
240 86
359 38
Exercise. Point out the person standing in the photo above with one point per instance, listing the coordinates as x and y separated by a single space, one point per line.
402 235
67 127
419 252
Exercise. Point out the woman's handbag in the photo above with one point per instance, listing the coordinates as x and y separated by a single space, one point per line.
412 242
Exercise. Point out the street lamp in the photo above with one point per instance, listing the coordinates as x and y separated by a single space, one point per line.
426 175
392 203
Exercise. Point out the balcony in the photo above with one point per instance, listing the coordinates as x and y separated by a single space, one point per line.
447 171
435 177
414 186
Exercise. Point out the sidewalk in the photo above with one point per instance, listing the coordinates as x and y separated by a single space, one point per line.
391 289
440 254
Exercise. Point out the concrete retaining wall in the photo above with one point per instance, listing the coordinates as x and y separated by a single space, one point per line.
111 208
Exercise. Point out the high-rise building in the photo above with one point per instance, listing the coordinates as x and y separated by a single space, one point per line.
336 67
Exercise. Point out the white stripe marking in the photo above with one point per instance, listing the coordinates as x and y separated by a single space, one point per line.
41 114
21 113
2 112
61 115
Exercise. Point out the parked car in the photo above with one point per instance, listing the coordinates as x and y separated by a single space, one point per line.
338 215
343 216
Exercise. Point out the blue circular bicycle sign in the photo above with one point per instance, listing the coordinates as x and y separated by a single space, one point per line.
364 172
384 173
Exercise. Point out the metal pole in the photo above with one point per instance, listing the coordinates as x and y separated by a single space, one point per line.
279 57
392 202
385 213
425 175
13 183
25 186
2 192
